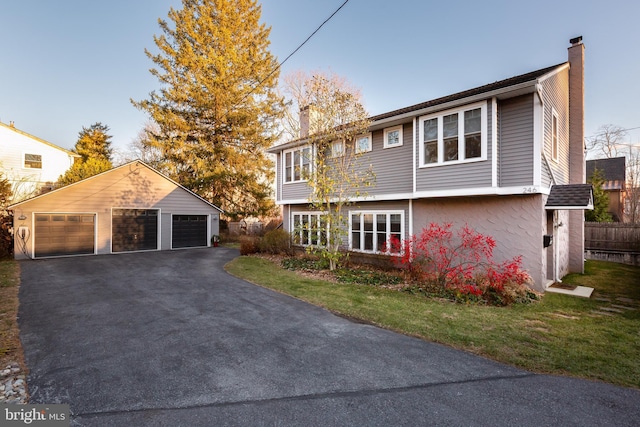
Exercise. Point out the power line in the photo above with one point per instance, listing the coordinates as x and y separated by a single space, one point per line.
616 130
294 51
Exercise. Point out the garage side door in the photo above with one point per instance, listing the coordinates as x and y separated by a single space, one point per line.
134 230
189 231
64 234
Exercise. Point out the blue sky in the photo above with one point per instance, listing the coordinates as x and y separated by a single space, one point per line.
70 63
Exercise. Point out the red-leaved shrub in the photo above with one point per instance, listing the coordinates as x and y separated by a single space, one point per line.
461 264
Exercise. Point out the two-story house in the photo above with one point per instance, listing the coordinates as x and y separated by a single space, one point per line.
29 162
506 158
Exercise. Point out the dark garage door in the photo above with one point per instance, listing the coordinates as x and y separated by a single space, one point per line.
189 231
64 234
134 230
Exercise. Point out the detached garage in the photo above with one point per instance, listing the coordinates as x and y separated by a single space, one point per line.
127 209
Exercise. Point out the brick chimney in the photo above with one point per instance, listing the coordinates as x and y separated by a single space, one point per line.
308 121
576 150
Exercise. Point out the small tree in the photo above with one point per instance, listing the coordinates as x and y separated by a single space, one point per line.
94 147
94 142
6 219
632 208
337 175
600 212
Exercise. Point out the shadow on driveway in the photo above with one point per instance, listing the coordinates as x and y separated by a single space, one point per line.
169 338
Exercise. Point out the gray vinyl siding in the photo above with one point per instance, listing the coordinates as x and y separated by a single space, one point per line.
515 142
295 191
555 92
457 176
392 166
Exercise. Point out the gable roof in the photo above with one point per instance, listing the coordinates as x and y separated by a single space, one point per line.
570 197
530 77
522 81
613 169
138 162
35 138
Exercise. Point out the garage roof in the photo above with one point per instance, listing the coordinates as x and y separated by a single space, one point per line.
129 164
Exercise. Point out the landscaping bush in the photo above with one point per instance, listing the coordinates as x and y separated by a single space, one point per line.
276 241
460 266
249 245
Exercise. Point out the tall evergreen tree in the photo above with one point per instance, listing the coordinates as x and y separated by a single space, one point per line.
94 147
217 109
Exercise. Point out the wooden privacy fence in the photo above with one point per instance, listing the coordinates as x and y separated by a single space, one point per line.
599 236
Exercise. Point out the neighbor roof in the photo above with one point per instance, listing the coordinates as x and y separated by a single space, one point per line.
28 135
612 169
570 197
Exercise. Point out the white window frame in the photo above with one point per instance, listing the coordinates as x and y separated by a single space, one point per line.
555 135
337 149
369 143
387 232
461 144
299 233
24 161
291 179
386 133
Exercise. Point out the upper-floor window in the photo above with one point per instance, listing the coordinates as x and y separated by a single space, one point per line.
376 231
393 137
454 136
554 135
297 164
363 143
337 149
33 161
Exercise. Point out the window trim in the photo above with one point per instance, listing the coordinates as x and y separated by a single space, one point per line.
24 161
369 145
461 135
335 153
388 232
291 180
393 129
293 232
555 135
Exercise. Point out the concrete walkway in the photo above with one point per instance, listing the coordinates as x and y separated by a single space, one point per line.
169 338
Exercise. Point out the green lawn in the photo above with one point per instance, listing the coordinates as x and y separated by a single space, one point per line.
559 335
10 349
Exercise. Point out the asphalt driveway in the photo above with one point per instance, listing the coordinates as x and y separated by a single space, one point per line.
169 338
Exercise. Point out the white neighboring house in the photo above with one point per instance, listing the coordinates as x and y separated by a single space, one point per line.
30 163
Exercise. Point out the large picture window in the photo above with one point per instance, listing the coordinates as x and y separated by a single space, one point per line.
454 136
375 231
309 229
297 164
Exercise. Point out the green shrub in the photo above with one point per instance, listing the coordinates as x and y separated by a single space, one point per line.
276 242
